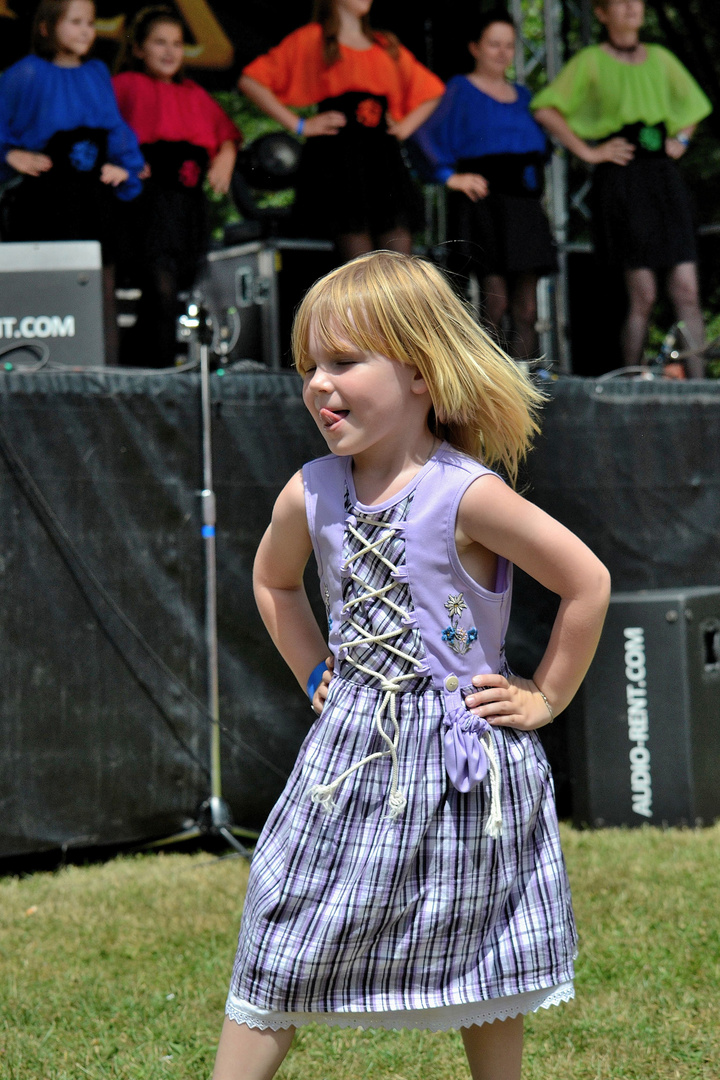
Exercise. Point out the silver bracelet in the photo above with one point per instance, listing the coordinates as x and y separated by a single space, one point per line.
547 703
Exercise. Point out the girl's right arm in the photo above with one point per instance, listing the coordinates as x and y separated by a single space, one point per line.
618 150
278 583
15 85
28 162
326 123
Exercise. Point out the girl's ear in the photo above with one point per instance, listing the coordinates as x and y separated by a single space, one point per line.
137 51
418 384
42 27
473 49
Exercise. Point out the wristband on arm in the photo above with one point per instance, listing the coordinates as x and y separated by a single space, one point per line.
301 126
315 678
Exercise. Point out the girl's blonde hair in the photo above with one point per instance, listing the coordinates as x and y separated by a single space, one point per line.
403 307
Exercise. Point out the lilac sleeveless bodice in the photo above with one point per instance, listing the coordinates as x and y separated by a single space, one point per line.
461 624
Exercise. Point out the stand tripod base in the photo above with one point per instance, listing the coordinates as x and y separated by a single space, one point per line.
214 819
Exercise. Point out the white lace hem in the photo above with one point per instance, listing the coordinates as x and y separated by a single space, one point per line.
443 1018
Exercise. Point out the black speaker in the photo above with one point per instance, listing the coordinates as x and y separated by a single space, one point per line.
51 294
645 729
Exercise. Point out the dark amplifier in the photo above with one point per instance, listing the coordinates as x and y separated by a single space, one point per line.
644 733
251 292
51 295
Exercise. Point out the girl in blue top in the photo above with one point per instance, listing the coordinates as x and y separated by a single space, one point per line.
61 131
484 145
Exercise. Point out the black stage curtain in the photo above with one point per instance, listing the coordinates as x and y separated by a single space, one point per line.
102 718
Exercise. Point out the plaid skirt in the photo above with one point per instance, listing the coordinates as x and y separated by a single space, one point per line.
351 911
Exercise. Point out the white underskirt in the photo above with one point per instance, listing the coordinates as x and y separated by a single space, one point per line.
443 1018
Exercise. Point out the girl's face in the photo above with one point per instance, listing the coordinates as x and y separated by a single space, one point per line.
75 31
494 52
621 16
361 401
162 51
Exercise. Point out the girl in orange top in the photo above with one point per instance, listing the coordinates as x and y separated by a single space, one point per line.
371 93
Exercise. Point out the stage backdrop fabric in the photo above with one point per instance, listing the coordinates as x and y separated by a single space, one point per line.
102 722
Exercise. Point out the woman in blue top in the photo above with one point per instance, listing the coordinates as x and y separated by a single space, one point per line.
485 146
61 131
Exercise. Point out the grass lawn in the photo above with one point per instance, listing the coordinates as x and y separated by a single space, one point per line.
120 970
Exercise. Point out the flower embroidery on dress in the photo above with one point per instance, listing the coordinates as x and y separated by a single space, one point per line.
189 173
457 637
83 155
369 113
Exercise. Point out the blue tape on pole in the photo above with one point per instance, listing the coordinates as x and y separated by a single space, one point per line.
208 530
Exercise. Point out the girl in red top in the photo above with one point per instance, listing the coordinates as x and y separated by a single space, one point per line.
184 136
371 93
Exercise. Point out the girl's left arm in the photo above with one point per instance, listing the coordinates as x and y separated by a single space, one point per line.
221 168
497 518
125 161
403 129
422 92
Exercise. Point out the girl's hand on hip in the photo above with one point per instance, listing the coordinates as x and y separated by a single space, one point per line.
113 175
674 148
321 693
219 176
473 185
617 151
324 123
221 168
27 162
512 702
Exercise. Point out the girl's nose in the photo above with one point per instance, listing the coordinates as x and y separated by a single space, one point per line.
320 381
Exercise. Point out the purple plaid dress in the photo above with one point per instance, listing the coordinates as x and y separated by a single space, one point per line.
380 895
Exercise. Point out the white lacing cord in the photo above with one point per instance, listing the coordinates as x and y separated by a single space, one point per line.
323 793
494 822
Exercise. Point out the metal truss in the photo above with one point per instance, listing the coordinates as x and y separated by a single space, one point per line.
549 30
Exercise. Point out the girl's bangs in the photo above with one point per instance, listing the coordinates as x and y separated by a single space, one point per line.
337 318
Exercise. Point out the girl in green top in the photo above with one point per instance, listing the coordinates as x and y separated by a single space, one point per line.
630 109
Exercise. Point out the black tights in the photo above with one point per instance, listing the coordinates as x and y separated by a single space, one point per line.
153 341
350 245
515 296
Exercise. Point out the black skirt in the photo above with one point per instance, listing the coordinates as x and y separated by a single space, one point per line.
507 232
167 225
69 201
642 215
355 181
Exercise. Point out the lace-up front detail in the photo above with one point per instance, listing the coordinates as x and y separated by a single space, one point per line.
381 645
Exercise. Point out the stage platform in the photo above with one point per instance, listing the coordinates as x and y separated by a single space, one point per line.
101 562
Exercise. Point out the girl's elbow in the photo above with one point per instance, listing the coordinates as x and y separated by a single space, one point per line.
545 116
603 585
248 85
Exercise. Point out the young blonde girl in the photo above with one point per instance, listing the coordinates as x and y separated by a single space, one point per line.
411 874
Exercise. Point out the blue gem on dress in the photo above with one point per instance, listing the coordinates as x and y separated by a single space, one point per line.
83 155
457 637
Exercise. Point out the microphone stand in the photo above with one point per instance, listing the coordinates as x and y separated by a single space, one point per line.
214 815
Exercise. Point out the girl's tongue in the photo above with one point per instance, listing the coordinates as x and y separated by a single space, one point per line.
330 417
